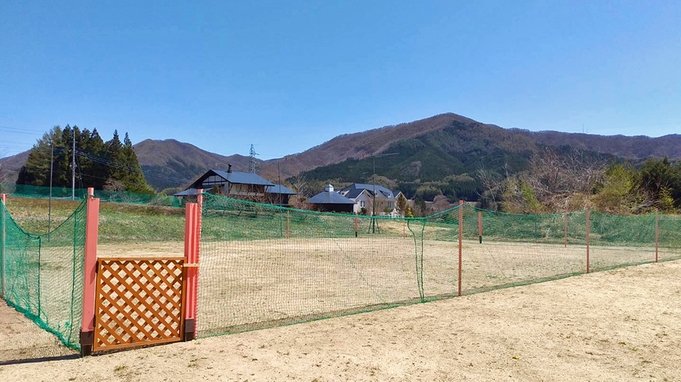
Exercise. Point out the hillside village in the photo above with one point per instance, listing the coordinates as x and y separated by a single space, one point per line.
357 198
433 163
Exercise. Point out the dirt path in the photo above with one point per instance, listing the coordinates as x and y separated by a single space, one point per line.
619 325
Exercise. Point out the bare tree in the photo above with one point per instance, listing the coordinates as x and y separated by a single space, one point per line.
493 185
555 178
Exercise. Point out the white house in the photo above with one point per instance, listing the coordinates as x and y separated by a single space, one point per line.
372 197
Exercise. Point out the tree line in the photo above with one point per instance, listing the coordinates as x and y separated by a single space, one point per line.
110 165
556 183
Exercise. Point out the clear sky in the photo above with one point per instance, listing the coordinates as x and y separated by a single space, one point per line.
289 75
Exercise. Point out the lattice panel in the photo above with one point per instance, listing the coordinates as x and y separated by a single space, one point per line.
139 302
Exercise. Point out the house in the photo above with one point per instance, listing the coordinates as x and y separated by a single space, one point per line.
331 201
372 197
240 185
279 195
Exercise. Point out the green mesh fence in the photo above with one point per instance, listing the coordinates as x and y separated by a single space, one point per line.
621 240
501 249
79 193
42 275
263 266
669 237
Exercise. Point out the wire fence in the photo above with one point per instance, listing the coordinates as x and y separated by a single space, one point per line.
263 265
41 275
126 197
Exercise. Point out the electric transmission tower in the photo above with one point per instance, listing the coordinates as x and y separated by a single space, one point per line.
252 163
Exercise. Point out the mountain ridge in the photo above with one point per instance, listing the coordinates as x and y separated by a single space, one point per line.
169 163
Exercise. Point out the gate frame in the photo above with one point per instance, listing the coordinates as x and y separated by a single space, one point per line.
191 269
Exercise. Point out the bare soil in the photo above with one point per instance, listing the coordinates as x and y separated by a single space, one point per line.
617 325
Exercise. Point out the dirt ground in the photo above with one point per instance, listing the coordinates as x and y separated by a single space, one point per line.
619 325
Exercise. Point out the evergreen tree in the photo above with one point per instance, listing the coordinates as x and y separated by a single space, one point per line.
97 162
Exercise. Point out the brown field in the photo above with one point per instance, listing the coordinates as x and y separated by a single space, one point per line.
614 325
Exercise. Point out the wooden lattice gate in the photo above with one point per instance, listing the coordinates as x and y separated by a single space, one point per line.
139 301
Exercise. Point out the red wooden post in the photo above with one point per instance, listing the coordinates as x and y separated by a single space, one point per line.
191 270
2 249
460 242
656 235
288 224
356 225
87 328
197 251
588 235
480 226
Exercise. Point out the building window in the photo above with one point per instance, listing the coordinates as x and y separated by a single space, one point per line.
362 203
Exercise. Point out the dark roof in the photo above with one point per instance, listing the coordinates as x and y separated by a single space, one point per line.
355 189
187 192
279 189
329 197
236 177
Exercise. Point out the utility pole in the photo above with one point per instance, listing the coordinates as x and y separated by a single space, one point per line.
49 203
73 166
373 207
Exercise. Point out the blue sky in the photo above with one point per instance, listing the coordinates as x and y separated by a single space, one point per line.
289 75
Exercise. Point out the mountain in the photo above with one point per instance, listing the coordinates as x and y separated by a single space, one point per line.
446 134
426 150
169 163
10 166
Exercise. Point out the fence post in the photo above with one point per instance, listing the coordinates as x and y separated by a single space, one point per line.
480 226
657 234
191 270
460 241
565 228
2 248
588 235
87 328
197 253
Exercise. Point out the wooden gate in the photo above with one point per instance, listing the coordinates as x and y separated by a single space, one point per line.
139 301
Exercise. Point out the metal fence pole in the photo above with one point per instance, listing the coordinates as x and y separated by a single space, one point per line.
657 235
588 235
2 248
460 242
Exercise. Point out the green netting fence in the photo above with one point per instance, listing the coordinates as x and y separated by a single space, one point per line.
41 275
262 266
79 193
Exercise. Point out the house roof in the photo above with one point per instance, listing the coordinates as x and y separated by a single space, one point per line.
355 189
187 192
279 189
237 177
329 197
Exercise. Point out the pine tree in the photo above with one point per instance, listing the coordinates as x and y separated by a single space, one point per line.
98 163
